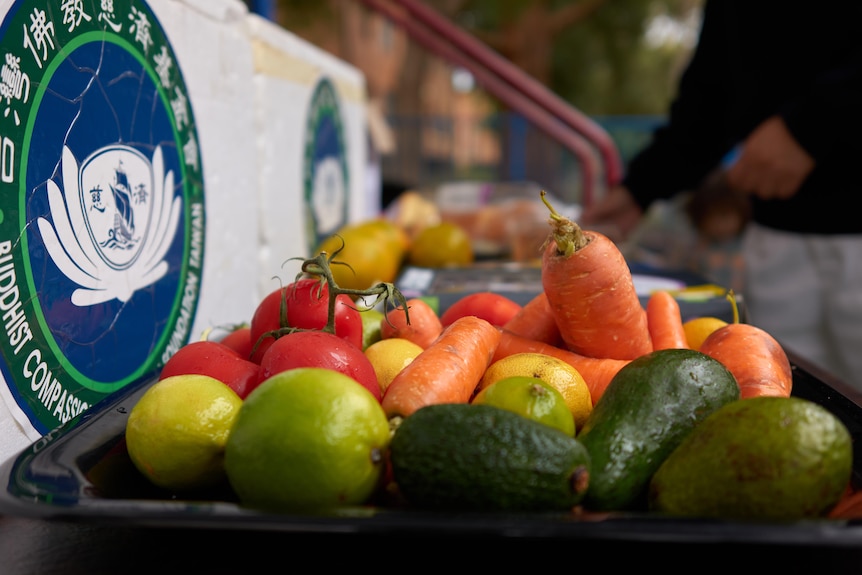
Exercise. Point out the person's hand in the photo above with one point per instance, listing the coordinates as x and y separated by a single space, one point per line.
771 163
615 214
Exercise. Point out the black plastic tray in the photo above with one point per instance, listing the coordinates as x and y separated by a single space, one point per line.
81 472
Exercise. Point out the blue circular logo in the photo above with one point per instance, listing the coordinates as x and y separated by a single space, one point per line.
103 210
327 179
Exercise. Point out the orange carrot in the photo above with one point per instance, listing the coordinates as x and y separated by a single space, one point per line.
424 326
494 307
447 371
597 372
536 321
664 320
591 292
849 506
755 358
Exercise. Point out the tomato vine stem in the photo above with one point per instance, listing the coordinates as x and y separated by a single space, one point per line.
385 292
321 266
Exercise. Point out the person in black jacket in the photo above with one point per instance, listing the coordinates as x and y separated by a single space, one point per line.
779 85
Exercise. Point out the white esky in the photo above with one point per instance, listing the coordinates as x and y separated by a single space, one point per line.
664 30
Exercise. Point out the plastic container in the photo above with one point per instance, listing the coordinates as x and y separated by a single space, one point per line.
82 473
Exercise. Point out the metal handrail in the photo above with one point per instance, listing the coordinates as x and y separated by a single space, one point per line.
512 86
525 83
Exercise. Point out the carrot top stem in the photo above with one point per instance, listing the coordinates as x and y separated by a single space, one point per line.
567 234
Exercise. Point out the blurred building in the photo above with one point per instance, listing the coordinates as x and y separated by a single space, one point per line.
430 121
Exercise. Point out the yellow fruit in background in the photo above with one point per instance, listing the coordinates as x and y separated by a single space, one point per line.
389 231
441 245
699 328
412 212
374 249
555 372
177 431
390 356
529 397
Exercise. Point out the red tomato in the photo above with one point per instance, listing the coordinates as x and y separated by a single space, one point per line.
496 309
216 360
319 349
307 303
240 341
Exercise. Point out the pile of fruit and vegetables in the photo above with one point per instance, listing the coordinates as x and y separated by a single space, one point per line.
340 392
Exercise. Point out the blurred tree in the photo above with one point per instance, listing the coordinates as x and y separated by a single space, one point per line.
526 31
594 53
599 55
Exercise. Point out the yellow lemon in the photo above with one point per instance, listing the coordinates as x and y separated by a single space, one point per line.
555 372
305 439
177 431
441 245
532 398
389 357
699 328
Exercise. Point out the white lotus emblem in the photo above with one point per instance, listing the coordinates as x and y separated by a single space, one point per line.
329 196
113 223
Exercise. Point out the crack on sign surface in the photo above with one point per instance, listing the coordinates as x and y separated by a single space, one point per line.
100 96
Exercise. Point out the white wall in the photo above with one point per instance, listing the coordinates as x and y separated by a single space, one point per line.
211 42
287 69
249 83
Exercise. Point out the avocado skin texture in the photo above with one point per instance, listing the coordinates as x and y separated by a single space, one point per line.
466 457
761 458
646 411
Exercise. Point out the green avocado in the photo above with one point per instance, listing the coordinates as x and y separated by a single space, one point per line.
466 457
648 408
760 458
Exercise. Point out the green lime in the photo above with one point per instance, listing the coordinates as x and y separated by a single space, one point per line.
307 439
530 397
177 431
551 370
371 319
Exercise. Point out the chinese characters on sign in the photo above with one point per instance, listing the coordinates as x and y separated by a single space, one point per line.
101 204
